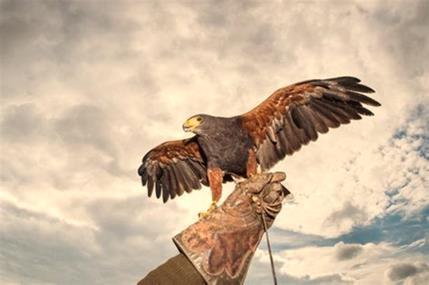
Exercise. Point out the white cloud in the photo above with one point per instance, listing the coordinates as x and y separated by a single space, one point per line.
87 91
369 263
351 186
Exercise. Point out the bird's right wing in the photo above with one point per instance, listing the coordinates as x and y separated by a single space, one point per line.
173 168
294 115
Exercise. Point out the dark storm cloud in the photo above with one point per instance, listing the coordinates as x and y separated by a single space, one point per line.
401 271
347 251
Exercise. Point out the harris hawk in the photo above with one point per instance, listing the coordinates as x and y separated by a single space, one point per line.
223 148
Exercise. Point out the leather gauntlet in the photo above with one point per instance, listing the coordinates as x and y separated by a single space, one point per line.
221 245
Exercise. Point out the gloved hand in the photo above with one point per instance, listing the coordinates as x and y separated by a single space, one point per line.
222 245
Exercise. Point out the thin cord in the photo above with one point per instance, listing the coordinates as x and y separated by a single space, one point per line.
273 270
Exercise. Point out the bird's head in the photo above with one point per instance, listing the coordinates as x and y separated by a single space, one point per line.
196 124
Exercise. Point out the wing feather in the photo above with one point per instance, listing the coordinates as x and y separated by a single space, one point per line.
294 115
183 179
170 187
173 168
150 185
165 185
179 180
158 188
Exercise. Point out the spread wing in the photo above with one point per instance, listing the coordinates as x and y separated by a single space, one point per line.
294 115
173 168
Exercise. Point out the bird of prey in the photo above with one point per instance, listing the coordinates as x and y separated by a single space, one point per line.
223 148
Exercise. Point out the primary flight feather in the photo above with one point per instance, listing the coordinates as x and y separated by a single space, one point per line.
224 147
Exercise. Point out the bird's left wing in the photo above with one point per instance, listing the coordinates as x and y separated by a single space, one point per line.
294 115
173 168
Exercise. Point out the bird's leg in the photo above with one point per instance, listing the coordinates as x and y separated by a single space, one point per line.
215 176
252 164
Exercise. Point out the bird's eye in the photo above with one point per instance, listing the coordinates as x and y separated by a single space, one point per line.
199 119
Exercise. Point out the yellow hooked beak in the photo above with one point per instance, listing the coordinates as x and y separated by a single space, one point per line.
192 123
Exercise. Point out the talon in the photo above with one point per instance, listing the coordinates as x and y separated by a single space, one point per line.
213 206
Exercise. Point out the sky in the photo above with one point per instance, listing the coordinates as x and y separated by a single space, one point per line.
88 87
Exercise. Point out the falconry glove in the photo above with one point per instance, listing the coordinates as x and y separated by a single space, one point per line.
222 245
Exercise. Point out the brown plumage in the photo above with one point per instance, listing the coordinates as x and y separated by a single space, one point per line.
223 147
173 168
294 115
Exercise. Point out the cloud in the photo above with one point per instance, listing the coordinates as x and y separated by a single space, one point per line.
404 270
392 228
87 91
84 124
409 47
34 243
22 123
259 273
345 263
348 212
370 182
347 251
119 239
419 279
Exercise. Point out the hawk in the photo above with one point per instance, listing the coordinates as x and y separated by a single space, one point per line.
223 148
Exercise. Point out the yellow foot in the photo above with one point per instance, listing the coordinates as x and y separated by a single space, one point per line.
212 207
